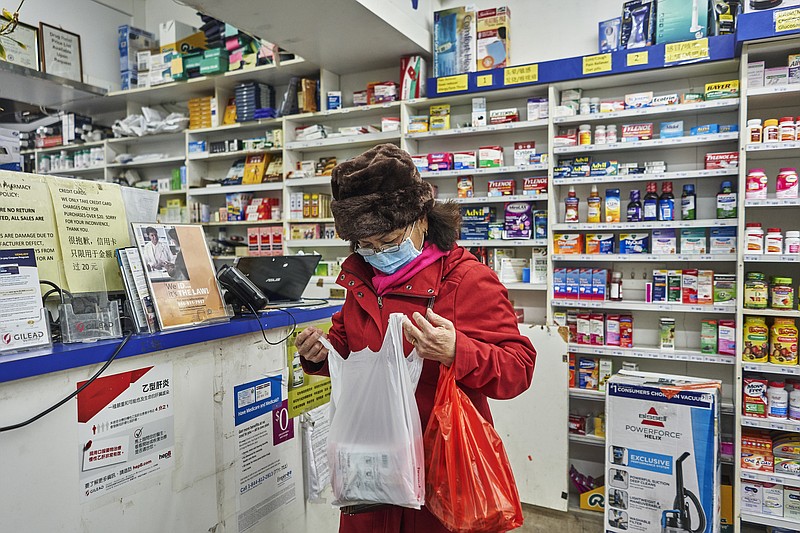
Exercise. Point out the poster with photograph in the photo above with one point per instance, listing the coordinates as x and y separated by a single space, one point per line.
183 284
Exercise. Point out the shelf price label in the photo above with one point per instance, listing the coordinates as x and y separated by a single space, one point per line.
686 51
485 80
523 74
597 63
787 20
638 58
451 84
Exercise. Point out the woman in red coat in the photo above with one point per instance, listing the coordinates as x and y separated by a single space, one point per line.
407 261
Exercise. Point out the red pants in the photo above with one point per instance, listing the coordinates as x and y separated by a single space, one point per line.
392 520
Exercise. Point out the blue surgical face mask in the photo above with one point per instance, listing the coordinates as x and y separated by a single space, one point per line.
391 262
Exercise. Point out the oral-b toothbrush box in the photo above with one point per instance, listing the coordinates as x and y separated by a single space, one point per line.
454 41
663 432
608 35
681 20
494 38
638 24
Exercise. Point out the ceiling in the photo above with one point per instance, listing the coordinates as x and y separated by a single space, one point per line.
342 36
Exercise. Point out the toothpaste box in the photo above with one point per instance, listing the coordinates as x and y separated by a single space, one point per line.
599 243
560 283
573 284
568 243
637 132
464 160
665 241
634 243
718 160
661 429
599 283
722 241
490 156
693 241
585 284
518 221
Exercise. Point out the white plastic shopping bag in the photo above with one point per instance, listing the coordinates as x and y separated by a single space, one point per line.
375 441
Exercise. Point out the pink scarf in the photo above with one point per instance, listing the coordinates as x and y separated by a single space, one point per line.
384 283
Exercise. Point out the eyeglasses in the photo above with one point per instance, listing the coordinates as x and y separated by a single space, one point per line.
392 247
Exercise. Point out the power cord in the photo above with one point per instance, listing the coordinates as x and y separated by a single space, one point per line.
74 394
264 333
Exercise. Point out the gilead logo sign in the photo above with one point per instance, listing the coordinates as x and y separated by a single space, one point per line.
8 338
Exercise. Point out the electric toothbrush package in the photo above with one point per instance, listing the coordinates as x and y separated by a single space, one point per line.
638 24
662 454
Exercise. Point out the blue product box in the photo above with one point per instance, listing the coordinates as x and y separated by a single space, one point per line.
634 243
473 231
723 241
128 80
659 285
580 169
585 284
671 130
129 41
604 168
599 283
562 172
573 283
665 241
454 41
705 129
608 35
540 224
196 147
334 100
729 128
587 372
560 283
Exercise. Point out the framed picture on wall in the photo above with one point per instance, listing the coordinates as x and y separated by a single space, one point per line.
60 52
21 46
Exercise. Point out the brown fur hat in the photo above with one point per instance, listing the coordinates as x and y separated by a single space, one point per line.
377 192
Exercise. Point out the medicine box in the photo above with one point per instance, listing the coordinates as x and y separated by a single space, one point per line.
634 243
722 241
538 108
501 187
523 152
464 160
465 187
659 286
599 284
573 283
674 285
665 241
483 214
490 156
776 76
724 288
719 160
131 40
494 38
560 283
608 35
755 74
599 243
693 241
585 284
568 243
723 89
536 186
518 220
671 130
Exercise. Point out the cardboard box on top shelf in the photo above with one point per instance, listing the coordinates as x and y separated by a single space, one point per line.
180 37
494 38
131 40
681 20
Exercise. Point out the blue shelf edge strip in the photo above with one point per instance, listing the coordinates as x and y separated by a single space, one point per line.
68 356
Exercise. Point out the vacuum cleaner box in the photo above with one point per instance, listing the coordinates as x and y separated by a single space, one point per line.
662 454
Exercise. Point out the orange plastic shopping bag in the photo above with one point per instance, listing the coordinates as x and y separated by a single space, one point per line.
469 484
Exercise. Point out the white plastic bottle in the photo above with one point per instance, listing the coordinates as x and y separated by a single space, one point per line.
794 402
792 242
611 134
777 400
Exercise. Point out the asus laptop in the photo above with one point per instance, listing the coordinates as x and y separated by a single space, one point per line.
281 278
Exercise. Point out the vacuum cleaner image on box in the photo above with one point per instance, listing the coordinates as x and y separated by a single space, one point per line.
662 454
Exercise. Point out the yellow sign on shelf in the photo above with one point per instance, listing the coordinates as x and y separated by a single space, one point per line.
787 20
686 51
451 84
485 80
523 74
638 58
597 63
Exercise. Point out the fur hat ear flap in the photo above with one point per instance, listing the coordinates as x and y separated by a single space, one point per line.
377 192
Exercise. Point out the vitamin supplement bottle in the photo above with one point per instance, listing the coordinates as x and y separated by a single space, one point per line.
756 185
754 238
783 342
666 202
781 293
585 134
571 203
756 340
634 207
773 242
772 132
777 400
754 131
650 207
594 203
786 185
791 243
787 128
688 203
611 134
600 134
726 201
756 291
794 402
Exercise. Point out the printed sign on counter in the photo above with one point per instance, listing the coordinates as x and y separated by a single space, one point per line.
523 74
596 64
126 429
686 51
23 323
452 84
637 58
787 20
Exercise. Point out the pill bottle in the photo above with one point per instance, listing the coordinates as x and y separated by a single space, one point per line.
594 105
791 243
787 185
754 238
756 184
600 134
773 243
585 109
777 400
783 342
756 291
771 131
788 130
754 130
797 130
611 134
585 134
794 401
781 293
756 340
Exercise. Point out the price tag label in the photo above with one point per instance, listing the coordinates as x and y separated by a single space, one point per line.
596 63
485 80
684 51
451 84
523 74
787 20
637 58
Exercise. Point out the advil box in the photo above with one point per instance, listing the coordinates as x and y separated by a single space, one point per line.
662 454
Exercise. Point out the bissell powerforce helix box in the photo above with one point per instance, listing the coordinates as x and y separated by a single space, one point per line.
662 454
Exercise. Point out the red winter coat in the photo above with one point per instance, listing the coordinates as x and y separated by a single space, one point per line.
492 359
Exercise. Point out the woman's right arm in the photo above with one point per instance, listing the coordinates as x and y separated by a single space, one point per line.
313 355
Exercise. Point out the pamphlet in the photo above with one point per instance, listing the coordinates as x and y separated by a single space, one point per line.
130 264
23 323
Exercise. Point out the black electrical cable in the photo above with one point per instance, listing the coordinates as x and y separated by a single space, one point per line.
72 395
264 333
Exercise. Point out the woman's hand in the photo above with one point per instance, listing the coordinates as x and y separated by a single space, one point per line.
308 345
434 337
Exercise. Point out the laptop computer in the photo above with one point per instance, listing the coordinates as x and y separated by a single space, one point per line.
281 278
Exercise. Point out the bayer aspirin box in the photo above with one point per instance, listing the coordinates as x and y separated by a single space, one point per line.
661 428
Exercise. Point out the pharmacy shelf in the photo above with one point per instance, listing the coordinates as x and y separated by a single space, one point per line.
773 202
205 156
773 96
586 226
646 352
539 167
244 223
252 124
642 258
309 220
67 147
76 171
773 150
679 175
480 130
587 394
766 520
232 189
768 423
350 141
769 477
224 257
363 110
627 305
149 162
496 199
322 243
770 368
720 106
591 440
176 192
157 138
520 286
771 312
678 142
305 182
500 243
770 258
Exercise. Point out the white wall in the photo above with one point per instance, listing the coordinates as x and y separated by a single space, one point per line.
158 11
542 30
